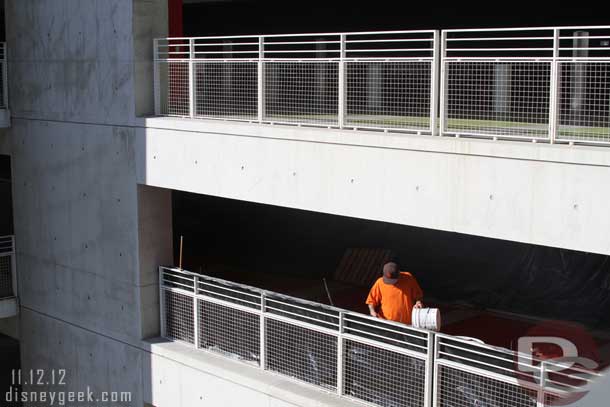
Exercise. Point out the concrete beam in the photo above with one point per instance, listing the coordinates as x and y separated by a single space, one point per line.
534 193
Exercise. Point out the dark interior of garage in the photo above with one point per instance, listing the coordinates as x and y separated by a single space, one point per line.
491 289
275 17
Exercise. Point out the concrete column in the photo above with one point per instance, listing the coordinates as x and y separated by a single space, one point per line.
149 21
502 91
578 77
320 68
374 92
227 77
155 249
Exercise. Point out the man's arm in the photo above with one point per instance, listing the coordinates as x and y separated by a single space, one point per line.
373 300
418 294
372 310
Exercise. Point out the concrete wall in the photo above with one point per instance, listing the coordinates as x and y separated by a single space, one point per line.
184 377
155 249
84 274
551 195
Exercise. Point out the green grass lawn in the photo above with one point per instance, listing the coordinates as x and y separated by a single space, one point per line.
484 127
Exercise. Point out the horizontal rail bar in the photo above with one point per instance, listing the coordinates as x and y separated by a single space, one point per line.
383 345
459 39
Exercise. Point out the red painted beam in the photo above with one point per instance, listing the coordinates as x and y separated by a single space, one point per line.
174 11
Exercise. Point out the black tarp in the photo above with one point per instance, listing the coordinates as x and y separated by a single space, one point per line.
486 273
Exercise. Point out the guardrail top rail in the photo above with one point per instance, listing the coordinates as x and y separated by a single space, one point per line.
378 45
308 312
8 279
376 80
7 244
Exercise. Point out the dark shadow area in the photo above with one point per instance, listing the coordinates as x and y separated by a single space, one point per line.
6 197
274 17
9 366
290 251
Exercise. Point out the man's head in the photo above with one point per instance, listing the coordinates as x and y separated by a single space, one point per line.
390 272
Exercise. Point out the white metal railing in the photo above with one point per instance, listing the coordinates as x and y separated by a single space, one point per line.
548 84
8 274
351 354
380 80
3 77
538 83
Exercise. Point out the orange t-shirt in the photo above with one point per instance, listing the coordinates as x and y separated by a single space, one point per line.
395 302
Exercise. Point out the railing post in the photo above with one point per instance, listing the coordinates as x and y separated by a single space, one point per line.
162 304
342 108
261 80
14 267
263 336
340 355
156 78
429 393
540 401
554 90
443 84
434 91
192 77
195 312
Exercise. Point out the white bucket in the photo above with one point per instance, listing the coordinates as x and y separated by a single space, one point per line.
426 318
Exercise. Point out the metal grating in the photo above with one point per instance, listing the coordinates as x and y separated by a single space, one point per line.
226 90
458 388
383 377
179 316
584 101
389 94
498 98
173 88
303 92
301 353
231 332
6 278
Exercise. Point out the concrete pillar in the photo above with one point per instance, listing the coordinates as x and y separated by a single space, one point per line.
320 68
578 77
502 90
374 92
155 249
227 79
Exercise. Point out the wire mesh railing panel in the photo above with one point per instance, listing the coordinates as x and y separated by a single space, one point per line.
173 87
392 94
498 98
226 90
459 388
584 101
302 92
231 332
301 353
179 316
383 377
6 276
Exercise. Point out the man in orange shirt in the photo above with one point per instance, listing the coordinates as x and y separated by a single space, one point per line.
394 295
